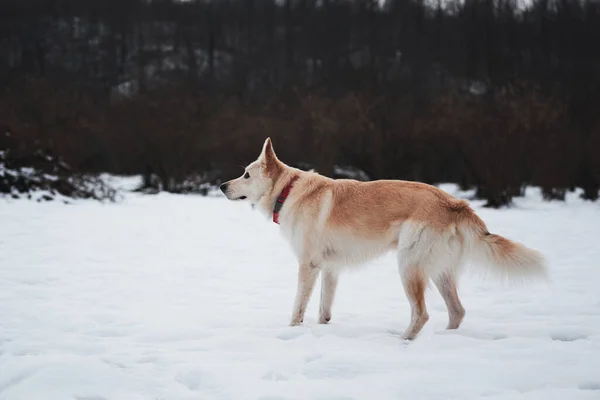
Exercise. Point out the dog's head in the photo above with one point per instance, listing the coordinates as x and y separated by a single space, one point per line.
258 177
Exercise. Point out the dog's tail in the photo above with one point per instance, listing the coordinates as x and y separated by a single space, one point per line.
495 254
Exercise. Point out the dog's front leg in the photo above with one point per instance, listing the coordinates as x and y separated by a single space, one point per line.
307 276
329 282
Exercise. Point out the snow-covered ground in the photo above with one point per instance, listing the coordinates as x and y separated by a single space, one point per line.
185 297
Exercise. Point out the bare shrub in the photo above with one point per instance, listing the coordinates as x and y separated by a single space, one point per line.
552 145
162 134
490 143
591 183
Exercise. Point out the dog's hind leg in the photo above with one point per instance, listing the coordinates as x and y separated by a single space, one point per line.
415 284
446 285
415 241
307 276
329 281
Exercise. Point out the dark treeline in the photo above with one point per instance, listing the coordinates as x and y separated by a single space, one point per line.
486 93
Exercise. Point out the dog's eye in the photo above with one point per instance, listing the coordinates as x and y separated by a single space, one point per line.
246 175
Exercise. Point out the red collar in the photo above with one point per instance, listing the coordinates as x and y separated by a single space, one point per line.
279 203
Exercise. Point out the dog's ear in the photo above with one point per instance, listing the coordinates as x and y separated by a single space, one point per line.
268 157
267 154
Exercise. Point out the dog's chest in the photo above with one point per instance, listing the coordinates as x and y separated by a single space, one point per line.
328 249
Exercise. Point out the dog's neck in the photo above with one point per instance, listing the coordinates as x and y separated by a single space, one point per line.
281 198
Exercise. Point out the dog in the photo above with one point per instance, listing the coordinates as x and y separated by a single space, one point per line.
332 224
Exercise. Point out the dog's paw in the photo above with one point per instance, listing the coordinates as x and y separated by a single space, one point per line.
296 322
324 319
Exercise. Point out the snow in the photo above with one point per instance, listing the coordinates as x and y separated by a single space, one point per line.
188 297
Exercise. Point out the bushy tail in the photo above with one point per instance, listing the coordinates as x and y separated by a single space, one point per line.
509 260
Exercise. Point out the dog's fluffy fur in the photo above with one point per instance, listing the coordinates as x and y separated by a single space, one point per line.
334 224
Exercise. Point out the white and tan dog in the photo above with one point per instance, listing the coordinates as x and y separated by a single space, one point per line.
333 224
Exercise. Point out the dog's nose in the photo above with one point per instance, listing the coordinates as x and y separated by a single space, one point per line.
223 187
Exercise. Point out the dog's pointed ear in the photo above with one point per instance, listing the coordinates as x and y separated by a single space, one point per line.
268 154
268 157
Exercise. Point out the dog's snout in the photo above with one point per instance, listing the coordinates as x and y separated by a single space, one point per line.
223 187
